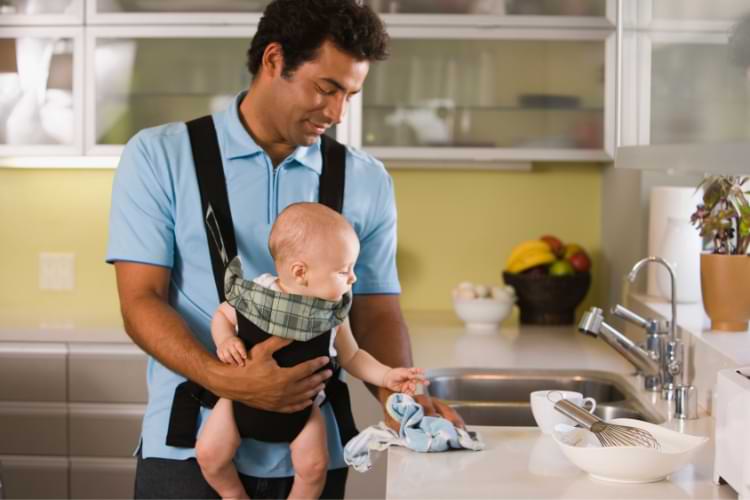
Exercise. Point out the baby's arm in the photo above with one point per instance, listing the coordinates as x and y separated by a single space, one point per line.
362 365
229 347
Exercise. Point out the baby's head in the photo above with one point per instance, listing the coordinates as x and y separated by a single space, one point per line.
314 249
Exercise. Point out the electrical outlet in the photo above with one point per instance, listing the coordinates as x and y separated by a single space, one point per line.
56 271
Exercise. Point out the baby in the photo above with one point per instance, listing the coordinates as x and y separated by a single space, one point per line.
314 250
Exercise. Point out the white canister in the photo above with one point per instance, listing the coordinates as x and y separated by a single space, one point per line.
665 202
681 247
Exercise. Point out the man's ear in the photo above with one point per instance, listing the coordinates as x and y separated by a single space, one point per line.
273 59
299 272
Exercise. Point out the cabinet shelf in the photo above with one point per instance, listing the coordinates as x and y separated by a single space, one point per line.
482 109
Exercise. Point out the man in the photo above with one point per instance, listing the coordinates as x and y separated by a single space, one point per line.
307 59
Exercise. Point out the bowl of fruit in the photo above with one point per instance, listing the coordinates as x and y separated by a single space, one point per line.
483 307
550 278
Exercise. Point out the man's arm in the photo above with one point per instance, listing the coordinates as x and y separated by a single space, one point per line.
380 329
160 331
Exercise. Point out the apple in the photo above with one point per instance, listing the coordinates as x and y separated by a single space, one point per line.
561 268
580 262
555 245
572 249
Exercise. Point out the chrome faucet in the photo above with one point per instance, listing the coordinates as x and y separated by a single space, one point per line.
655 344
664 362
593 324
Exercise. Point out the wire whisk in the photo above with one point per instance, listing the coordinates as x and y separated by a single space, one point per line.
607 434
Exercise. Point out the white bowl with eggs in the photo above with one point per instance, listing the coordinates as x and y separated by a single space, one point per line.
481 307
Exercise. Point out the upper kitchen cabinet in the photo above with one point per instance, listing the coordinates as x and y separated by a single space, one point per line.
41 12
174 11
556 13
142 77
41 94
491 94
684 95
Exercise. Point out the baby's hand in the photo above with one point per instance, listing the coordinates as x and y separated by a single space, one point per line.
404 380
232 351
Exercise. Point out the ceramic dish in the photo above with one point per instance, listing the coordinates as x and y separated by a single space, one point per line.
628 464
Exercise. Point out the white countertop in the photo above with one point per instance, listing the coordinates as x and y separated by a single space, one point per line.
41 326
520 461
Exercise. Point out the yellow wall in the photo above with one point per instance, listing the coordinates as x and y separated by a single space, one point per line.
461 225
453 226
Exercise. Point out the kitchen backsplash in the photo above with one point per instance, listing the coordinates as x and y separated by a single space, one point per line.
453 226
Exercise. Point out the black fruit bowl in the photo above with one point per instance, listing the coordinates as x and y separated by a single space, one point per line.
548 300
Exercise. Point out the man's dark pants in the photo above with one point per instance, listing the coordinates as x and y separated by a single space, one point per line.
163 478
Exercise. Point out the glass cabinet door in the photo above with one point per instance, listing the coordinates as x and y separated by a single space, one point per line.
41 76
587 13
436 97
175 11
686 73
38 12
591 8
142 78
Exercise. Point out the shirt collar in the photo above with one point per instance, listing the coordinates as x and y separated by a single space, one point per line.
239 143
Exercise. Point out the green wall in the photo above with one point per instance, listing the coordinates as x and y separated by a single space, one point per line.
453 226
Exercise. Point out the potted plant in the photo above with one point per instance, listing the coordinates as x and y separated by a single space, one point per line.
724 219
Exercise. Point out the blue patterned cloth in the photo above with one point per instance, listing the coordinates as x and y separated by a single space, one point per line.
418 432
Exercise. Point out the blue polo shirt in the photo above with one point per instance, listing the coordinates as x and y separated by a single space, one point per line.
156 218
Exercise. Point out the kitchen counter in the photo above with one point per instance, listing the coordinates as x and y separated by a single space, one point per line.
520 461
41 326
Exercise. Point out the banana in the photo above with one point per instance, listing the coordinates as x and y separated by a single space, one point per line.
531 259
525 248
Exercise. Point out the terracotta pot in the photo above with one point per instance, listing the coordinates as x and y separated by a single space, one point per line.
725 283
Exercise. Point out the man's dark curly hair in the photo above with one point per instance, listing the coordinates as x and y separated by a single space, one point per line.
301 27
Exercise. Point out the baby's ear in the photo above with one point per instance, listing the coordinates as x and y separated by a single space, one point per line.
299 272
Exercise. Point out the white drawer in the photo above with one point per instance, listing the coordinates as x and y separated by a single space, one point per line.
33 428
34 477
32 371
104 430
106 373
102 477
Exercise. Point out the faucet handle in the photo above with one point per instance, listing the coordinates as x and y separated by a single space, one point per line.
652 326
628 315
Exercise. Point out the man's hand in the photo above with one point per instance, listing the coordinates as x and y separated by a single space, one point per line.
160 331
262 383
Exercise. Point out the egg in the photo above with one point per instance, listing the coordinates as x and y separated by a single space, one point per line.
464 293
503 293
482 291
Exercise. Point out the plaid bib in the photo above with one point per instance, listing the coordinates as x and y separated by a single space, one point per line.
291 316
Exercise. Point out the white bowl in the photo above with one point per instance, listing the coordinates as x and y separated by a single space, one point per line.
483 314
628 464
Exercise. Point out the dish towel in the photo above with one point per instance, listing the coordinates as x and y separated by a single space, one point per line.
418 432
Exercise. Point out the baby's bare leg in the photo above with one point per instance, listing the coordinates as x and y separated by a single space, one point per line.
215 449
310 458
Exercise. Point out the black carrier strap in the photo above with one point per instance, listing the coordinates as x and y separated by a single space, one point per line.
189 396
333 174
216 212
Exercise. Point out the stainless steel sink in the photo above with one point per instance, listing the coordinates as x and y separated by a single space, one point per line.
501 397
